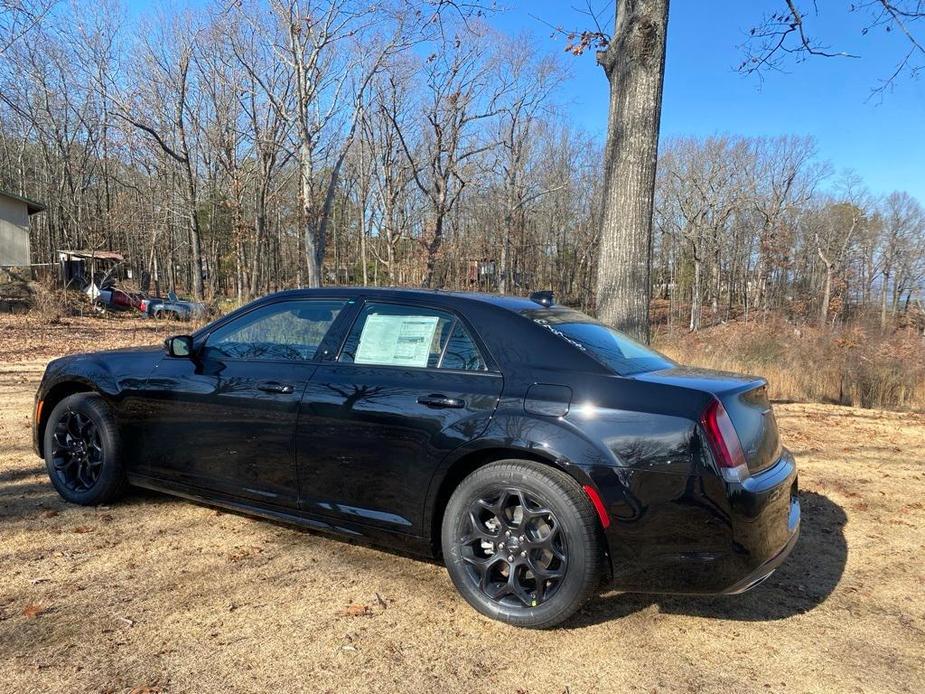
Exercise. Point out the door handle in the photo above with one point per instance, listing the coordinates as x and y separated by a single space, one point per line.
437 400
274 387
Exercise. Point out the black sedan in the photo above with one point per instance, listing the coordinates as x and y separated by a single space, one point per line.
536 450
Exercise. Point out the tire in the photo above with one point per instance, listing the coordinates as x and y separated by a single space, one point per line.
557 534
82 451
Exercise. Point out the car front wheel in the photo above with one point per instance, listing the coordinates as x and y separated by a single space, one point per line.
81 447
522 543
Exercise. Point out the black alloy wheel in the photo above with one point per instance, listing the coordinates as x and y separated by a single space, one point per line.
83 451
522 543
514 548
77 451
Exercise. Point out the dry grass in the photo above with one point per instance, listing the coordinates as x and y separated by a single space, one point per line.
851 366
156 594
35 336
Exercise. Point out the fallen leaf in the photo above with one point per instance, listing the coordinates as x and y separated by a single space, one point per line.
357 610
83 529
32 610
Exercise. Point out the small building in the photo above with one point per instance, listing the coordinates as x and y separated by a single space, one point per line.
14 229
82 268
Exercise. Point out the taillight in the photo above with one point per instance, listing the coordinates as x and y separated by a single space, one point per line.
724 442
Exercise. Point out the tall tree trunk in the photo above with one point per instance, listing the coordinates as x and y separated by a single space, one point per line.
363 259
314 242
826 296
505 274
390 251
634 63
312 252
433 248
260 234
884 291
192 203
695 294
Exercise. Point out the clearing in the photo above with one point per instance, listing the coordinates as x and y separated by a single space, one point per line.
156 594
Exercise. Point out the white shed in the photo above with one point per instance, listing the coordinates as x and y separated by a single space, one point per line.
14 229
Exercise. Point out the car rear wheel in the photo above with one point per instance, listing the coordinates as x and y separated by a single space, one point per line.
82 451
522 544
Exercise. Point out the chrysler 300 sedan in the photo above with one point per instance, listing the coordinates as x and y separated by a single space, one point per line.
537 451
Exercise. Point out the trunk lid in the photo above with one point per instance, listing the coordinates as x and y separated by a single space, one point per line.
746 401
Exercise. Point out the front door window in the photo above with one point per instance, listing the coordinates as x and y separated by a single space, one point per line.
286 330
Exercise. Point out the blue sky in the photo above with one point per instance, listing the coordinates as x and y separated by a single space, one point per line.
827 98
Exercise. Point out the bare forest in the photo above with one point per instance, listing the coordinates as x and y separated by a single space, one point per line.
252 146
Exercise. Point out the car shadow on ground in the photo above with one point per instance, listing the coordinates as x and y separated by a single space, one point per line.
804 581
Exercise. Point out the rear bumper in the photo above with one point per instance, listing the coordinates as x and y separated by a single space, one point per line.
701 534
764 571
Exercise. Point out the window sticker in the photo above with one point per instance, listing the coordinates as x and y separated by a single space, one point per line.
396 340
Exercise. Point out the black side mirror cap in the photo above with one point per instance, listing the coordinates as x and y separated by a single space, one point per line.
179 346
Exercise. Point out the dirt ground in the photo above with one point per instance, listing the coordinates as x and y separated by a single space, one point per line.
155 594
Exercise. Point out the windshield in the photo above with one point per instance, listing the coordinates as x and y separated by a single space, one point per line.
612 348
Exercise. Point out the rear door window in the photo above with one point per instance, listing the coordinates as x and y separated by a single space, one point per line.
410 336
461 352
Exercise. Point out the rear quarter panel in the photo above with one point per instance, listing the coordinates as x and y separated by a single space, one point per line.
637 444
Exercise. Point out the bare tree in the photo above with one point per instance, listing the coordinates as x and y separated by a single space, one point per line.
784 35
459 97
388 118
903 227
634 63
704 188
161 107
785 177
19 17
533 78
334 50
840 222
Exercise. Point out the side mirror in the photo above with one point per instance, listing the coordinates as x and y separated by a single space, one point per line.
179 346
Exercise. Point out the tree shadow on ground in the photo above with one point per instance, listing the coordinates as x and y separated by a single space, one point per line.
22 473
804 581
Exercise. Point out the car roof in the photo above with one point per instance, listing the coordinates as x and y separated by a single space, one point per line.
511 303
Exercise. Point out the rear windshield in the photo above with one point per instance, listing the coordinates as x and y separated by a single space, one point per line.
610 347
